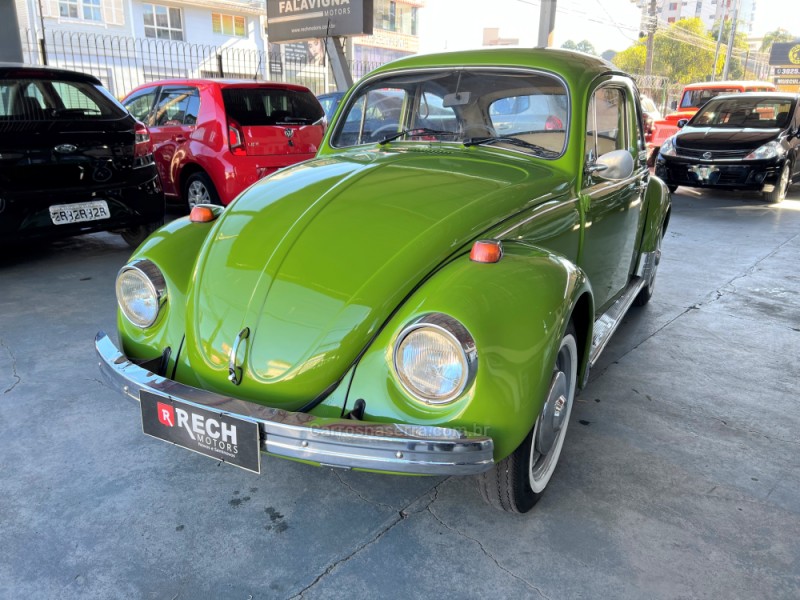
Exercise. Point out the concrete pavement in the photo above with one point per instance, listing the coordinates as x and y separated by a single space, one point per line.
680 476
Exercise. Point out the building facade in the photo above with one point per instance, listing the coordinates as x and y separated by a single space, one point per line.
129 42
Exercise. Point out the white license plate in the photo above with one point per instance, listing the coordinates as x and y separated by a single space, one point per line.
63 214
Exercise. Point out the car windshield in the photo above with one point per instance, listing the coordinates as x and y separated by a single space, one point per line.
51 99
465 106
696 98
254 106
744 111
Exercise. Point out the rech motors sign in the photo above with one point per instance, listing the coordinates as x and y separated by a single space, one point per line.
290 20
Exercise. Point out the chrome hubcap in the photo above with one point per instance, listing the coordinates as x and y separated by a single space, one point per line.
553 413
551 426
197 194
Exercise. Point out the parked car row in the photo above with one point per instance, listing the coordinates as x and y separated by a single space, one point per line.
74 160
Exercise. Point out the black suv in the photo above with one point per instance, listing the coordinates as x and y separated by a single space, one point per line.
72 159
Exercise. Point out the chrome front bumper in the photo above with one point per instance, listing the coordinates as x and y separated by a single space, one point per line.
390 447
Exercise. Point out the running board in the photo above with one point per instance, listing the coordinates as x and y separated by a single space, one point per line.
607 324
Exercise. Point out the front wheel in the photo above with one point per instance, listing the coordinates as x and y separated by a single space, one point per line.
200 190
779 193
516 483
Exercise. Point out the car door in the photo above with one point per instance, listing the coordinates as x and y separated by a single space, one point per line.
613 209
171 124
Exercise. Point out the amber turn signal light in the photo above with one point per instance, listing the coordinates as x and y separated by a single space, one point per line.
201 214
486 251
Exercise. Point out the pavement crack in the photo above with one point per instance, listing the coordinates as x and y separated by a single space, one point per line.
399 517
13 368
357 493
485 551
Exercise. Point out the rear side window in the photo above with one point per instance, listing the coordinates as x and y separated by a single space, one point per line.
53 100
258 106
177 106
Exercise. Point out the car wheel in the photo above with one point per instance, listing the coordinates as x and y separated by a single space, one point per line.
516 483
647 291
779 193
200 190
134 236
672 188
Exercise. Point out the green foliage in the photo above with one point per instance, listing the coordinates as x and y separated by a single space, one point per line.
778 36
582 46
684 53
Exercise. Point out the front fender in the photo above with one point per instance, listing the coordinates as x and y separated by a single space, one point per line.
517 311
174 249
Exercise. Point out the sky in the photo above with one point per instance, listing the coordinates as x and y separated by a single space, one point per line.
607 24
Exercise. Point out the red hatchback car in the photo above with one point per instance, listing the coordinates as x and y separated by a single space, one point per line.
213 138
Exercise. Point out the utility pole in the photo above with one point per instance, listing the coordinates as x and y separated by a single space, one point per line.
731 36
547 23
10 42
651 34
719 40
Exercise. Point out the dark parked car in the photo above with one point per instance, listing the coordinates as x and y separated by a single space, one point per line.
744 141
214 138
72 159
330 102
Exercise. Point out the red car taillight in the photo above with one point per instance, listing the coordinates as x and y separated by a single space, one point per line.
236 139
142 146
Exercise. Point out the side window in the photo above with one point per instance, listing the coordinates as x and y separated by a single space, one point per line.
139 104
75 99
605 123
172 107
192 108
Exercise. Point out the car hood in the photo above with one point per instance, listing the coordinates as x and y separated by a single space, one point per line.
315 258
723 138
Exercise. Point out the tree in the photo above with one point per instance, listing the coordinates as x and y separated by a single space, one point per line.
582 46
778 36
684 53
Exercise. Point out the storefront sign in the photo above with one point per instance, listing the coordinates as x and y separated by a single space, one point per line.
785 54
290 20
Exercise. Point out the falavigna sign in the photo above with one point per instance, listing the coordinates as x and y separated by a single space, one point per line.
290 20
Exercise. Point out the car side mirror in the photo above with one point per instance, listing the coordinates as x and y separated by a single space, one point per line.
612 166
682 123
673 105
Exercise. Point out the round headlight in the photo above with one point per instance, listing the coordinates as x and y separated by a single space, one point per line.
141 292
435 359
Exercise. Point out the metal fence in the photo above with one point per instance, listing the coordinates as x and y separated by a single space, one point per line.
122 63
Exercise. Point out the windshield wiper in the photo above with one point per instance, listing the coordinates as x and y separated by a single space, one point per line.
514 142
416 131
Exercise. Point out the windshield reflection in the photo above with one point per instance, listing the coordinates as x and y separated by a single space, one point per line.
463 106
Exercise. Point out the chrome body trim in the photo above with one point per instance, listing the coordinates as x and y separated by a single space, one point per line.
343 443
607 324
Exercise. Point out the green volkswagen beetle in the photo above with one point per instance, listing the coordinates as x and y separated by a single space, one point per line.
426 296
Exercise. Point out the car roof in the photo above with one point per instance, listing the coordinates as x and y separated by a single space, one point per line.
223 82
569 64
765 95
715 85
19 70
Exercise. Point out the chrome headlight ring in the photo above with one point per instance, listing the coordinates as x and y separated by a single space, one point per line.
141 292
435 351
